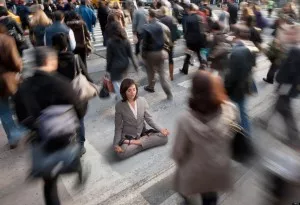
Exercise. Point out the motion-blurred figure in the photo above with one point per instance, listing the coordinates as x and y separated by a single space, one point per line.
203 140
10 66
46 88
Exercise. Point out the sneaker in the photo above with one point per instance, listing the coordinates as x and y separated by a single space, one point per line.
150 90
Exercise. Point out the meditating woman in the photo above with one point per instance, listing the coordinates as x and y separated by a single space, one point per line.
131 135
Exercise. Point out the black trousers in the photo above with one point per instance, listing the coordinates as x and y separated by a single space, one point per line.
82 53
138 44
272 72
187 59
50 192
171 55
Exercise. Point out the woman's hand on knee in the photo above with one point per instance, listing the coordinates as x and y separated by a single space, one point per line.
118 149
165 132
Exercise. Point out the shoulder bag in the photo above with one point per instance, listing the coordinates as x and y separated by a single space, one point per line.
84 89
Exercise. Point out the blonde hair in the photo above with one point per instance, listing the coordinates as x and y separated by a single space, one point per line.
40 18
117 5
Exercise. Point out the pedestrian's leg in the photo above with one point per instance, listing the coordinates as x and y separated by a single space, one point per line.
129 150
185 68
209 198
50 192
163 77
271 73
244 116
138 44
171 63
116 85
202 61
81 134
149 60
12 130
283 106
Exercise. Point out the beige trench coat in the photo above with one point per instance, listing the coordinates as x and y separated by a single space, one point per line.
202 151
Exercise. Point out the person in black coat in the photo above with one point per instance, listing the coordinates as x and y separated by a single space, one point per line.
233 12
66 67
118 53
46 88
103 12
194 36
238 79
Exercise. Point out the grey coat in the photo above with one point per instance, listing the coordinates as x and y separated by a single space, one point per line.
139 20
127 124
202 151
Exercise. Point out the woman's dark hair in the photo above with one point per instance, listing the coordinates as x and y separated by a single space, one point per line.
116 31
126 83
207 94
72 16
60 42
3 11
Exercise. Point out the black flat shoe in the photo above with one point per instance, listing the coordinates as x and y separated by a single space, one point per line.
268 81
184 72
150 90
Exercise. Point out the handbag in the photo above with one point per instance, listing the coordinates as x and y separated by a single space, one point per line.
84 89
241 145
108 84
51 164
87 42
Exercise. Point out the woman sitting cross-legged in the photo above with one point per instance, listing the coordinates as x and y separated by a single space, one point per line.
131 137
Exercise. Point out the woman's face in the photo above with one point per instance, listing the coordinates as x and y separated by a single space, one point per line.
131 92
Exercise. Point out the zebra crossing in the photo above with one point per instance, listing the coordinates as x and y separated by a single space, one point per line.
98 43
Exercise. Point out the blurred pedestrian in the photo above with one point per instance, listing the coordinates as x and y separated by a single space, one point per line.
224 18
59 26
49 8
195 38
66 67
24 12
118 13
81 33
117 56
88 16
60 5
103 11
39 23
233 12
131 134
238 80
47 89
138 22
13 29
156 43
10 66
69 6
171 23
202 148
270 6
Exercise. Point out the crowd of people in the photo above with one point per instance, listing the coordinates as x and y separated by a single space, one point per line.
59 91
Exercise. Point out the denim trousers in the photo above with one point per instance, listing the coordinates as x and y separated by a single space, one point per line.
244 119
13 130
81 132
116 85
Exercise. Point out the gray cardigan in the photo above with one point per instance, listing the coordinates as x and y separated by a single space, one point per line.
139 20
127 124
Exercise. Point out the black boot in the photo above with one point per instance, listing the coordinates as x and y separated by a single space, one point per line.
185 68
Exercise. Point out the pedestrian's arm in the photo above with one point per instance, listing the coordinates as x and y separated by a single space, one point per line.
94 18
72 40
18 28
109 56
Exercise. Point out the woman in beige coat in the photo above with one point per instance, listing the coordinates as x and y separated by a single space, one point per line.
202 145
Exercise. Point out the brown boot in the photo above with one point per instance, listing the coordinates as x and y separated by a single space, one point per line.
171 70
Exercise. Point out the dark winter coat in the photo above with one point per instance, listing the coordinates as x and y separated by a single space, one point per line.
194 31
117 56
41 91
81 32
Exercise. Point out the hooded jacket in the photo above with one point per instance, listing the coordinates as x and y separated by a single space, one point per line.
202 151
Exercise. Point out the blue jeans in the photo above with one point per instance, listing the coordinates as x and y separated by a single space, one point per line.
13 131
116 85
243 115
81 132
